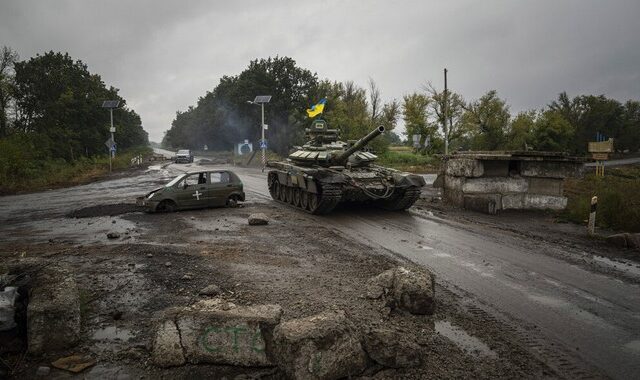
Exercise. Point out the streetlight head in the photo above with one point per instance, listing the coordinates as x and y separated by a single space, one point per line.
262 99
110 104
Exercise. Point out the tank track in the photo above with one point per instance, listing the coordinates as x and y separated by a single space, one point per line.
317 204
401 202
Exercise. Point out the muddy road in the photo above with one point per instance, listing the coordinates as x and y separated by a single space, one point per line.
574 310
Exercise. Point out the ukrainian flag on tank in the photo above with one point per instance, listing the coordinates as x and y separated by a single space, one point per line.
317 109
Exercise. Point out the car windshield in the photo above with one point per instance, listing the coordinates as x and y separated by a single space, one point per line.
175 180
183 151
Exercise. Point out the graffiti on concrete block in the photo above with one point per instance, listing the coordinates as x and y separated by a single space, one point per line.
232 338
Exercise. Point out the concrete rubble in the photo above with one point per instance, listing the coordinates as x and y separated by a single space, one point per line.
53 311
494 181
323 346
411 290
390 349
258 219
216 332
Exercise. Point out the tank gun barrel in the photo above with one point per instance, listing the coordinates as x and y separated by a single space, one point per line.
359 145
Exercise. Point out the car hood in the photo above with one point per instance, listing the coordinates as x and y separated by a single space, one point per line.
153 191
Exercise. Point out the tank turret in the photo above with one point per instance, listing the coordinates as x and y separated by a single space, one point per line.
358 145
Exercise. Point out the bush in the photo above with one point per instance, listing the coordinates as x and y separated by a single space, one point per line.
409 161
22 170
618 199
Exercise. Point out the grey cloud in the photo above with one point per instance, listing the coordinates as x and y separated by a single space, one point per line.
164 55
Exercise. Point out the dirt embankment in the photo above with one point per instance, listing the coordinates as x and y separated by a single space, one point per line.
292 262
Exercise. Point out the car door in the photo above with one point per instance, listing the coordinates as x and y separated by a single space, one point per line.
220 187
193 192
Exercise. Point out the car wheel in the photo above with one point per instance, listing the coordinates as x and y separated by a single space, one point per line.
232 201
166 206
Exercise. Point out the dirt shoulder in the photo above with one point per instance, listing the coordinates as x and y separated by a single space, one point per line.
167 259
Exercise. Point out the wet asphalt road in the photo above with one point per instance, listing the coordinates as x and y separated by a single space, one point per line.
597 317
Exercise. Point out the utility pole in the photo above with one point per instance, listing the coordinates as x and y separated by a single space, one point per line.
445 129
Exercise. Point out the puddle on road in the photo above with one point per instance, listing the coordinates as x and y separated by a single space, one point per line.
112 333
462 339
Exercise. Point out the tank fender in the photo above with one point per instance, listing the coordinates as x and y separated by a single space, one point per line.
407 180
283 177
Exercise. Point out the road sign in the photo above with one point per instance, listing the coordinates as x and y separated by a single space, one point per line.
112 130
263 144
113 148
600 156
265 126
110 144
601 146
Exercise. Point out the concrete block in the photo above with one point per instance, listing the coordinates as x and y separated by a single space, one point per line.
7 308
323 346
455 197
380 285
414 291
545 186
390 349
486 203
495 168
453 183
499 185
216 333
513 201
551 169
544 202
464 167
167 348
53 313
258 219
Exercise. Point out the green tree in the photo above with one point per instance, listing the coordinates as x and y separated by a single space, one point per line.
487 120
552 132
223 117
453 128
415 113
59 100
521 131
630 134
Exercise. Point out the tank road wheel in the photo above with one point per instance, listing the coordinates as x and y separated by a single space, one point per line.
296 196
281 192
314 200
304 200
288 194
273 186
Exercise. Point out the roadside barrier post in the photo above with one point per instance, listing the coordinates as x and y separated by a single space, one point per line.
592 216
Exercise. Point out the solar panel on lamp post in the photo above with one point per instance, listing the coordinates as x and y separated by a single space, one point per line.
262 100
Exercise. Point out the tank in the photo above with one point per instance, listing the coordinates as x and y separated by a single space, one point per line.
325 172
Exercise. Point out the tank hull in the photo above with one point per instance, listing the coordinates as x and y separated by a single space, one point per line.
318 190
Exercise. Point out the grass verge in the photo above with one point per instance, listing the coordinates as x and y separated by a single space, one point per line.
33 175
618 199
409 162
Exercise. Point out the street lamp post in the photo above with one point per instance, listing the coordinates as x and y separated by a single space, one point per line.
111 143
262 100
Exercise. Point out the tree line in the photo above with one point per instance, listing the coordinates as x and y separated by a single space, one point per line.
224 116
564 125
50 109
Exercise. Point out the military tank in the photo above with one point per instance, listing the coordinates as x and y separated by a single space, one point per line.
326 171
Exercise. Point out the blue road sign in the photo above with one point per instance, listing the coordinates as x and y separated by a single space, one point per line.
263 144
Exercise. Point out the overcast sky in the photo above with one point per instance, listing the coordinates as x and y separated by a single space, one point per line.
163 55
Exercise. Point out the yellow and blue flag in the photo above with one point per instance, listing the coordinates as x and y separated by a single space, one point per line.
317 109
